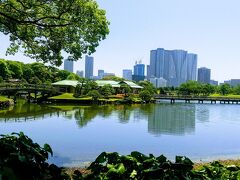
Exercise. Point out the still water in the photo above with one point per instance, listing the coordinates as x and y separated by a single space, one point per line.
78 134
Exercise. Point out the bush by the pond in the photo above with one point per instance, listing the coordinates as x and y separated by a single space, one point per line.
21 158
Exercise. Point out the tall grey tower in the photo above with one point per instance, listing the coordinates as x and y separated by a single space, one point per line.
176 66
204 75
88 67
68 65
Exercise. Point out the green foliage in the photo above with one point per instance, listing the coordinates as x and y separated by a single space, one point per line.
4 71
63 74
113 78
145 95
15 69
148 86
21 158
125 89
44 29
94 94
73 76
225 89
139 166
237 90
106 90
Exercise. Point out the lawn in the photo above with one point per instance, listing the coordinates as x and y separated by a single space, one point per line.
69 96
2 98
226 96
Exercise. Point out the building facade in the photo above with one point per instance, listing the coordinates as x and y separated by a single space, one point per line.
204 75
127 74
68 65
100 73
176 66
80 73
213 82
138 72
89 67
158 82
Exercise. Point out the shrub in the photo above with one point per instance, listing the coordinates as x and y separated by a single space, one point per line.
21 158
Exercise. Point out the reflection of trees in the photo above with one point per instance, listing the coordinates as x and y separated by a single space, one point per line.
23 111
172 119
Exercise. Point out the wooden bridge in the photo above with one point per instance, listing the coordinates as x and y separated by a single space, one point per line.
199 99
27 89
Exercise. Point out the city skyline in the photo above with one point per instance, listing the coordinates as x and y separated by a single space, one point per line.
175 66
213 35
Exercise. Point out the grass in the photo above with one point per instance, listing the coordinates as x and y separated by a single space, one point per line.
2 99
69 96
234 96
228 162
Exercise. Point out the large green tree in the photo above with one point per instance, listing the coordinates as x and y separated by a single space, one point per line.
43 29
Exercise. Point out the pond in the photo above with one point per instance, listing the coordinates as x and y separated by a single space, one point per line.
78 134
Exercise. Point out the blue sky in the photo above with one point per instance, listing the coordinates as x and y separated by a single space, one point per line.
210 29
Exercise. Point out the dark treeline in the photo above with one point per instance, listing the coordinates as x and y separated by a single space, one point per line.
33 73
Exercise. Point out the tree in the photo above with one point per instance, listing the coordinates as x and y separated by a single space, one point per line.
28 73
237 90
224 89
63 74
94 94
145 95
73 76
15 69
113 78
106 90
148 86
4 71
125 89
44 29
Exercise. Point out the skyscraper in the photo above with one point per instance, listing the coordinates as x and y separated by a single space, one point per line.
139 69
204 75
139 72
88 67
68 65
100 73
176 66
127 74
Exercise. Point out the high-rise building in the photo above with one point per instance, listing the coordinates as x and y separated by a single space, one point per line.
100 73
80 73
158 82
127 74
235 82
138 72
88 67
148 72
204 75
68 65
139 69
176 66
213 82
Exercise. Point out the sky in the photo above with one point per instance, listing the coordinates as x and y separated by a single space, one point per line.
209 28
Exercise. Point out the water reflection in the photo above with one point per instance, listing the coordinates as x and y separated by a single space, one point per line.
177 119
24 111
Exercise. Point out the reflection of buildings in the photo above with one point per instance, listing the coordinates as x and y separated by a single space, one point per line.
172 119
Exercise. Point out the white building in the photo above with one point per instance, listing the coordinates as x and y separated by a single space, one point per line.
158 82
